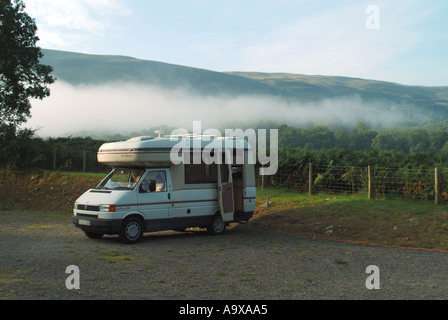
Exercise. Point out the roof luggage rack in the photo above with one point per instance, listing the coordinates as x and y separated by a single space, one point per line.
142 138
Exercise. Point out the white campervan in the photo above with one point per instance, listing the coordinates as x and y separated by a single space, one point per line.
169 184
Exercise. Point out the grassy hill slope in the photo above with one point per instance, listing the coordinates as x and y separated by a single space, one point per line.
411 101
77 68
420 99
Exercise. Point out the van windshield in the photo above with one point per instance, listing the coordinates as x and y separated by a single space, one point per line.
121 179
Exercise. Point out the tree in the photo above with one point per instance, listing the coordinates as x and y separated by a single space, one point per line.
22 76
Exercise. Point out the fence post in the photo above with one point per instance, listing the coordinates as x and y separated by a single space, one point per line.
310 179
369 174
84 160
54 159
438 196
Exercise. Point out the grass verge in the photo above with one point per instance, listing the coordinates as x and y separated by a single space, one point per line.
394 222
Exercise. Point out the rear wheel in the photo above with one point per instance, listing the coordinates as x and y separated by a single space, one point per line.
131 230
217 226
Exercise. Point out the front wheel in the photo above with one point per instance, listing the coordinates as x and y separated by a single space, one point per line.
131 230
218 226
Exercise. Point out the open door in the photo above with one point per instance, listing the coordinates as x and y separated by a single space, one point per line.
225 191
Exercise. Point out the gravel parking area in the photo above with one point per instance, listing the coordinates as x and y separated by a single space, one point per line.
36 249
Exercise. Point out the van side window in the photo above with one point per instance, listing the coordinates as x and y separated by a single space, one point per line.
159 177
201 173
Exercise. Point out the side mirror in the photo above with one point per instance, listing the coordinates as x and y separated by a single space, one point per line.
148 186
152 185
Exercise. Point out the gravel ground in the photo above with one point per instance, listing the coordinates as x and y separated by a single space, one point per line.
37 248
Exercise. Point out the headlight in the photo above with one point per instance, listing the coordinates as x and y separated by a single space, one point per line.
108 208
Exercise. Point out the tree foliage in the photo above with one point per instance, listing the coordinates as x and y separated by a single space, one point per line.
22 76
432 137
16 146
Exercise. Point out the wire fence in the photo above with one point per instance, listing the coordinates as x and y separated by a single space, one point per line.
373 182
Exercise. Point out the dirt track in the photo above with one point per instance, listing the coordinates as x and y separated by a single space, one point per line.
36 249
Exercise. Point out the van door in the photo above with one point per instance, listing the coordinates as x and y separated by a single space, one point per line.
225 191
154 199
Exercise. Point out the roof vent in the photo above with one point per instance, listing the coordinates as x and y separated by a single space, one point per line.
159 132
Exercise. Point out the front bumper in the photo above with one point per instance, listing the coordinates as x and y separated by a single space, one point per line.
93 224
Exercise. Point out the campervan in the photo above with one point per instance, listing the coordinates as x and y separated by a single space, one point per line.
169 184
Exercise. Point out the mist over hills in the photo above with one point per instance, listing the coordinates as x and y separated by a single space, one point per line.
163 93
316 86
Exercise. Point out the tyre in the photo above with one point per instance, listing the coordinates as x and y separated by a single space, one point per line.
93 235
131 230
217 226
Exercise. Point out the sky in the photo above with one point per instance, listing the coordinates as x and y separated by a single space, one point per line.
404 41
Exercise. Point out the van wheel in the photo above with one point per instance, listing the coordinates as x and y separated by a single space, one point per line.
218 226
131 230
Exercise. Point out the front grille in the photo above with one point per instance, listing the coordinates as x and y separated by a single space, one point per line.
86 207
87 215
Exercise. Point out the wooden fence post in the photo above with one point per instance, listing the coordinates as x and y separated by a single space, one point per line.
438 196
84 160
54 159
310 179
262 176
369 174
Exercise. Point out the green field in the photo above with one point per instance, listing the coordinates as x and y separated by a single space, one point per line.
393 222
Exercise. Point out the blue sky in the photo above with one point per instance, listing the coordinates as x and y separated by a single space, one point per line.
408 42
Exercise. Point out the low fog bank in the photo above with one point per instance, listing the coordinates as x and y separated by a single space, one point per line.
127 108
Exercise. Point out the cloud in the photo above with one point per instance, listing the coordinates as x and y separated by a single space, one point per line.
336 41
126 108
325 42
70 22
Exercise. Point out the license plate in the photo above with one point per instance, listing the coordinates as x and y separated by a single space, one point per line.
84 222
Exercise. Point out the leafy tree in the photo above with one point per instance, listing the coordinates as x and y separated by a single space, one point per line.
22 76
16 147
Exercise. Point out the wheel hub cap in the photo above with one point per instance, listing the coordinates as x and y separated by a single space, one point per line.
133 231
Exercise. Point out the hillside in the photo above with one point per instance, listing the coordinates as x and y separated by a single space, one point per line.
413 102
332 86
420 99
76 68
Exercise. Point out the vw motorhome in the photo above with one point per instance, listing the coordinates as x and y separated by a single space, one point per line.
169 184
